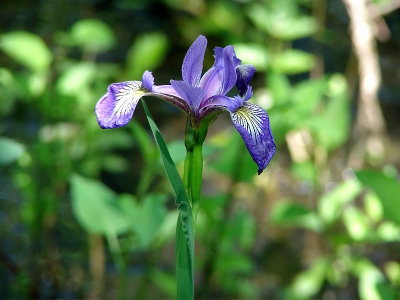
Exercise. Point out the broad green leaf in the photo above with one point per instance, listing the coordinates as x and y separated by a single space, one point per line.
281 20
75 78
331 204
280 87
307 95
97 208
145 216
147 53
10 151
286 213
27 49
386 188
253 54
293 61
92 35
185 227
336 111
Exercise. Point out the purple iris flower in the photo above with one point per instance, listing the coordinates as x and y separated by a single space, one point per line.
199 97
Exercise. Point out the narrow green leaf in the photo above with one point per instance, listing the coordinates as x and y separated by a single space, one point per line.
185 226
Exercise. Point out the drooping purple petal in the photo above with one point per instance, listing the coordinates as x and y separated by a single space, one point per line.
221 77
244 74
116 108
193 62
148 80
252 122
191 94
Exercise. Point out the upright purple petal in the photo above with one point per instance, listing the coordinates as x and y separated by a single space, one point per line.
148 80
193 63
116 108
191 94
244 74
222 76
252 122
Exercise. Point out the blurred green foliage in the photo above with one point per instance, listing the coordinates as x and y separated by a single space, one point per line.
86 212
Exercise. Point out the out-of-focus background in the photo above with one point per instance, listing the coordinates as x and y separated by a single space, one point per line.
89 213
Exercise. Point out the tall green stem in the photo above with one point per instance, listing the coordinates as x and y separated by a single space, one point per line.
193 171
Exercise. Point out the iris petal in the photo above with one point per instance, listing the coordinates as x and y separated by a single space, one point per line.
252 122
193 62
222 76
191 94
116 108
148 80
244 74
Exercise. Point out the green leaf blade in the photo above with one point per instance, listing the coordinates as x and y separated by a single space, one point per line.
185 227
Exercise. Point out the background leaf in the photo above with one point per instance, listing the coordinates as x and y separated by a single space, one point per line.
386 188
92 35
27 49
97 207
10 151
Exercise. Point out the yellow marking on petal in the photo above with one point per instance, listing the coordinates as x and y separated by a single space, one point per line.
247 116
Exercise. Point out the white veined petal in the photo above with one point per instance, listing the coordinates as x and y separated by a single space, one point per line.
127 98
249 116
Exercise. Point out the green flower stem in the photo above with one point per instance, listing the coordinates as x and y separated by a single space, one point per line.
193 170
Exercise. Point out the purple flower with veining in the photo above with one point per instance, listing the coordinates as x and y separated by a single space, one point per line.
199 97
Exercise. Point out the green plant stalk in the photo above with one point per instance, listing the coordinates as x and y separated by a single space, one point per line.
193 170
184 242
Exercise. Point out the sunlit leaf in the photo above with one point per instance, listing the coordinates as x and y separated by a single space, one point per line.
96 207
145 216
331 204
331 126
281 20
309 282
92 35
356 223
386 188
147 53
388 231
10 150
372 284
293 61
75 78
253 54
27 49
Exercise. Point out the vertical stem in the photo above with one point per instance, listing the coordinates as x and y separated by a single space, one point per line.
193 171
119 262
97 265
